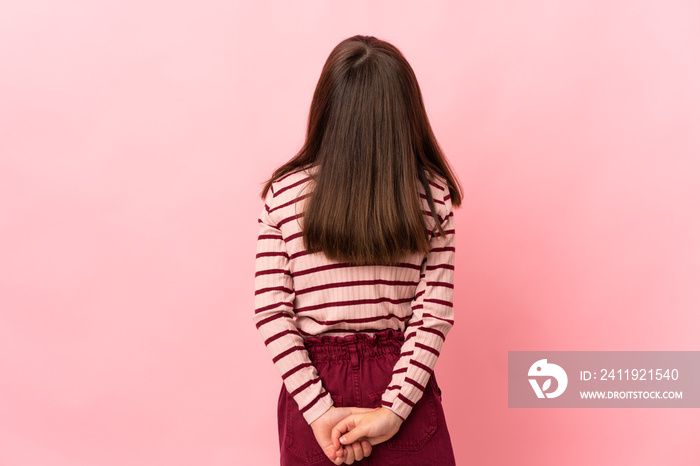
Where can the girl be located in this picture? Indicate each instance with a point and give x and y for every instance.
(354, 270)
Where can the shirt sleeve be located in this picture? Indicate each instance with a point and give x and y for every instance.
(432, 319)
(274, 319)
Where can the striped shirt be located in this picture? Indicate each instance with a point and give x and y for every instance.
(298, 295)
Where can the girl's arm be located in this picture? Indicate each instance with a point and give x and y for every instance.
(274, 313)
(432, 319)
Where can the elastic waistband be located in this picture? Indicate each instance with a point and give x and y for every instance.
(365, 345)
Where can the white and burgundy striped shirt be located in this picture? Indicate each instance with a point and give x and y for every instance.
(298, 294)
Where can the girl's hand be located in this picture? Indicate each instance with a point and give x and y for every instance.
(353, 451)
(376, 426)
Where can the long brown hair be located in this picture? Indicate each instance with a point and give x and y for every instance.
(369, 136)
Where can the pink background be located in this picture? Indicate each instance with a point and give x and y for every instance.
(134, 136)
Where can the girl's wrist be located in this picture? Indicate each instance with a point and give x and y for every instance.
(395, 416)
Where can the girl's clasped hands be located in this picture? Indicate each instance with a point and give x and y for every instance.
(346, 434)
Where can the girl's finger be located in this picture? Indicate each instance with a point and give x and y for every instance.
(339, 457)
(357, 449)
(366, 448)
(349, 455)
(341, 428)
